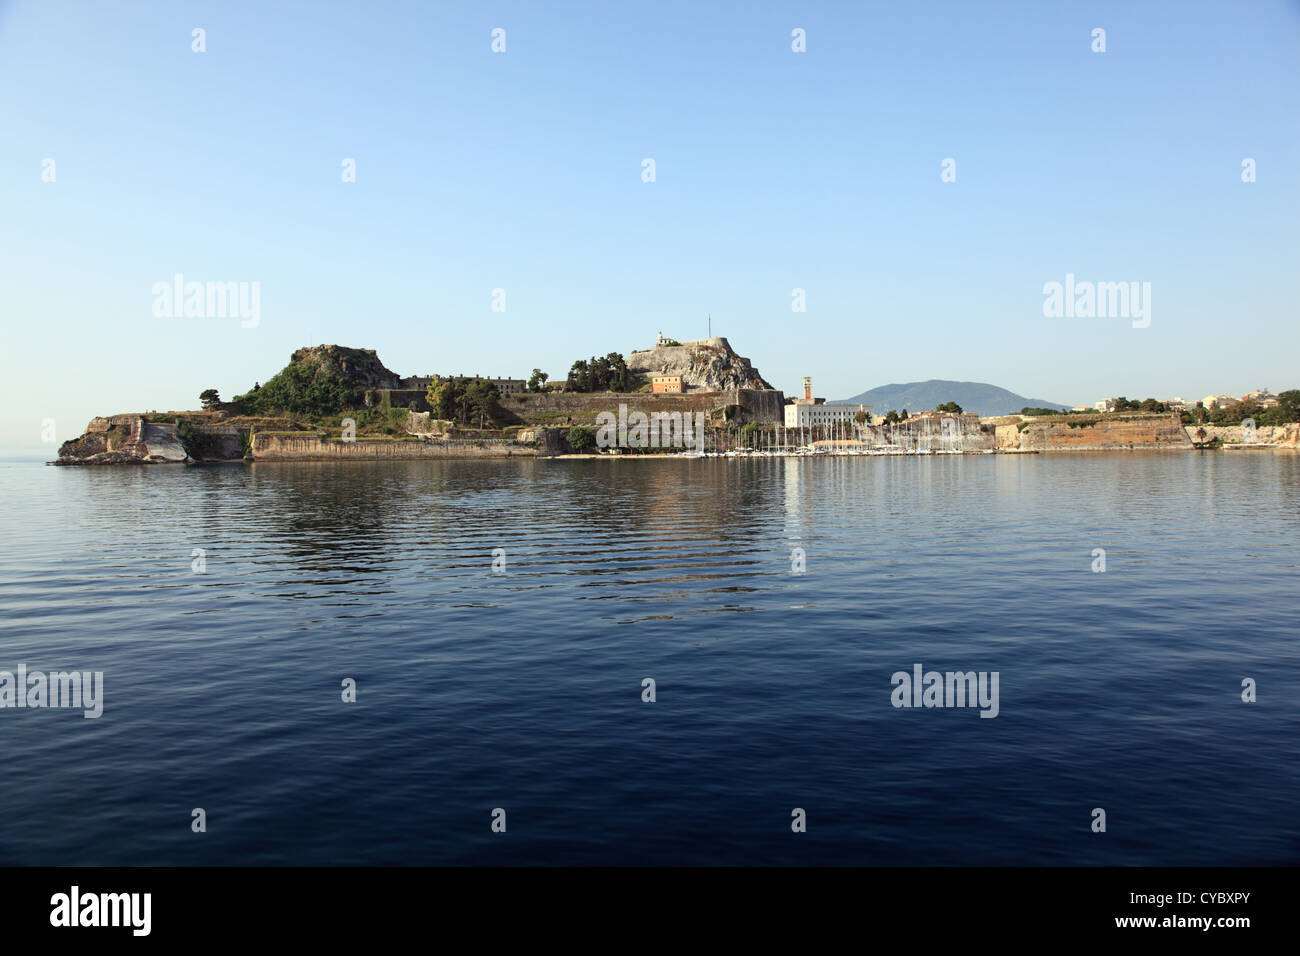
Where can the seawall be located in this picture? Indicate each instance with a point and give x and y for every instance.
(1085, 434)
(282, 446)
(1269, 436)
(579, 408)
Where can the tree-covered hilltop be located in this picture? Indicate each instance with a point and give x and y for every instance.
(323, 384)
(318, 382)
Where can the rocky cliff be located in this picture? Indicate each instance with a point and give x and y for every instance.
(360, 368)
(704, 365)
(123, 439)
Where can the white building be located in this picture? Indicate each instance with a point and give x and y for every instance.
(804, 414)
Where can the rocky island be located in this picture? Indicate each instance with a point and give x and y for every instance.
(334, 401)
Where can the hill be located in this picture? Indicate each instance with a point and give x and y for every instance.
(709, 364)
(978, 397)
(319, 380)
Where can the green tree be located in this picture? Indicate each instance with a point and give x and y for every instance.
(619, 378)
(949, 407)
(600, 374)
(1286, 410)
(579, 379)
(480, 399)
(209, 397)
(447, 399)
(537, 380)
(582, 440)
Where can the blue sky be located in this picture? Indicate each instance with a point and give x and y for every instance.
(521, 171)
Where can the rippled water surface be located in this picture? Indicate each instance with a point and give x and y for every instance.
(522, 690)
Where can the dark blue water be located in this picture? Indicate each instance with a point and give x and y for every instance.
(522, 690)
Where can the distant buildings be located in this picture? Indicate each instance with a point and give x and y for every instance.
(1175, 404)
(506, 386)
(666, 384)
(1261, 395)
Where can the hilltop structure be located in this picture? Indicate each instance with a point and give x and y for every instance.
(505, 386)
(701, 365)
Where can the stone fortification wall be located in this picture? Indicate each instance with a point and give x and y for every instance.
(1277, 436)
(1132, 431)
(288, 446)
(579, 408)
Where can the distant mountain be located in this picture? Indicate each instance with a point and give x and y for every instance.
(979, 397)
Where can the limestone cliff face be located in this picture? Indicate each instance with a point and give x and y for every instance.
(704, 365)
(123, 439)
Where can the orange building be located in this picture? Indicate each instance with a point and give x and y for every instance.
(666, 384)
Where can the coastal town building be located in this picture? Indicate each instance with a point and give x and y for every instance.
(800, 414)
(1221, 401)
(666, 384)
(808, 411)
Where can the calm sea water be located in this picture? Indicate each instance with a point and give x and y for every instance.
(522, 690)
